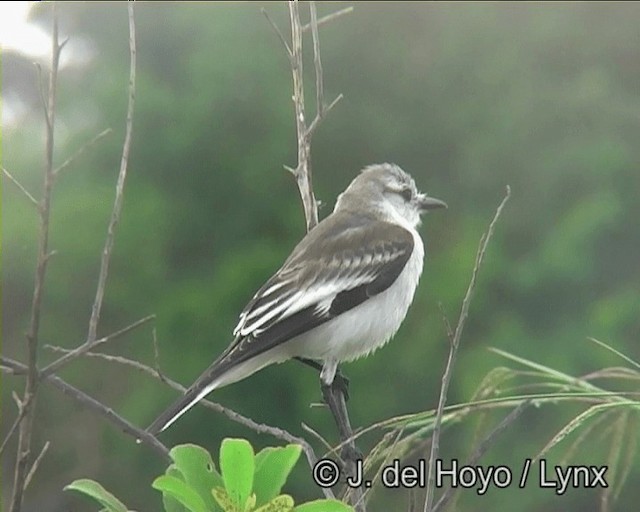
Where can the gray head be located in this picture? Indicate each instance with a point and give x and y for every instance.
(386, 190)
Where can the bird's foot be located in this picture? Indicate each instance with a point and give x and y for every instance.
(341, 384)
(350, 453)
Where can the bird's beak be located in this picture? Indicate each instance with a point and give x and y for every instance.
(426, 203)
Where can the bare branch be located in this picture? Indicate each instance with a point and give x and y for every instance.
(36, 463)
(32, 199)
(16, 368)
(328, 18)
(277, 31)
(44, 209)
(445, 320)
(319, 437)
(455, 342)
(316, 121)
(303, 168)
(117, 205)
(14, 426)
(86, 347)
(67, 163)
(232, 415)
(316, 60)
(156, 355)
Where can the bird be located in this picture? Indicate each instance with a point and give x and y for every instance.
(341, 294)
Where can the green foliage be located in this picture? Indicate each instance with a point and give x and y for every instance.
(247, 482)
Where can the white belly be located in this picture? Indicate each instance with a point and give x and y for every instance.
(369, 325)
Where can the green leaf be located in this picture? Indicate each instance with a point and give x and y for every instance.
(237, 464)
(198, 470)
(181, 491)
(97, 492)
(273, 466)
(169, 502)
(324, 506)
(282, 503)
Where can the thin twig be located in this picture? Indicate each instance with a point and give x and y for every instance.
(117, 205)
(446, 378)
(36, 463)
(156, 355)
(325, 110)
(14, 426)
(27, 194)
(16, 368)
(75, 353)
(446, 323)
(44, 209)
(43, 100)
(232, 415)
(383, 464)
(328, 18)
(330, 449)
(278, 32)
(67, 163)
(483, 446)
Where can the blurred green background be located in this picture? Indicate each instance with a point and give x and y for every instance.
(466, 97)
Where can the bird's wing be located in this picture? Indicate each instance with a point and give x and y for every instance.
(340, 264)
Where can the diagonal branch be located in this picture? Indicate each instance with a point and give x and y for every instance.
(67, 163)
(36, 464)
(455, 342)
(261, 428)
(122, 175)
(86, 347)
(328, 18)
(16, 368)
(278, 32)
(22, 189)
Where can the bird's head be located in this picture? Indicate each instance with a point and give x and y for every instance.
(388, 190)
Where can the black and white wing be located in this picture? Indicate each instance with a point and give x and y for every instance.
(340, 264)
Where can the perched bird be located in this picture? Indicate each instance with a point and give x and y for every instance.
(341, 294)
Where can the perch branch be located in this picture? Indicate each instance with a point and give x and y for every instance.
(333, 396)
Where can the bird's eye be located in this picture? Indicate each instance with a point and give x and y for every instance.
(406, 193)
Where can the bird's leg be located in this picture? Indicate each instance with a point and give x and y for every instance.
(340, 381)
(334, 397)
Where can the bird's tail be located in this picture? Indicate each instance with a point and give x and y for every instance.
(232, 365)
(205, 384)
